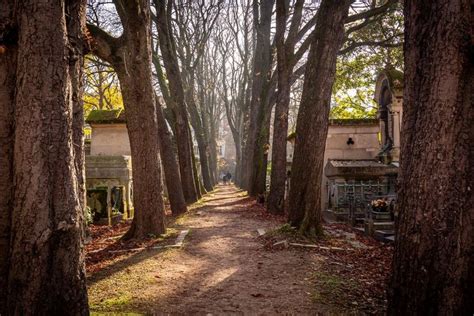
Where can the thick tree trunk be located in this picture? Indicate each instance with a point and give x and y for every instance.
(135, 75)
(313, 115)
(170, 164)
(178, 104)
(7, 95)
(433, 268)
(46, 275)
(261, 73)
(276, 198)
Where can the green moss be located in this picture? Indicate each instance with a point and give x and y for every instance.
(106, 116)
(120, 300)
(395, 77)
(345, 122)
(284, 231)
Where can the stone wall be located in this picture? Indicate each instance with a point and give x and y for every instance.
(109, 140)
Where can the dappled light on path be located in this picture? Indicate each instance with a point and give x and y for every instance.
(222, 268)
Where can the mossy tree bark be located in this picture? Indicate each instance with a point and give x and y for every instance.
(433, 267)
(46, 268)
(313, 116)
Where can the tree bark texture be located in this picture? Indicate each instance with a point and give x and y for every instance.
(313, 115)
(433, 267)
(261, 148)
(46, 271)
(170, 164)
(178, 104)
(76, 31)
(135, 75)
(8, 57)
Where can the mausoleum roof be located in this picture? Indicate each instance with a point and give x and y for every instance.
(357, 121)
(358, 168)
(106, 116)
(395, 82)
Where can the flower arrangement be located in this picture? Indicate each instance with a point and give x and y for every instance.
(379, 205)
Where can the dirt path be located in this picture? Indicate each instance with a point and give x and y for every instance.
(221, 269)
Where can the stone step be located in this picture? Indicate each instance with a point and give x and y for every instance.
(385, 235)
(381, 216)
(384, 225)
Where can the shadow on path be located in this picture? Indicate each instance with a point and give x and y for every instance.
(222, 268)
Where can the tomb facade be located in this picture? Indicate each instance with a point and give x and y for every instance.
(109, 167)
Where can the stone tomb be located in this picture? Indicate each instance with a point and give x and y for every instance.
(109, 167)
(353, 182)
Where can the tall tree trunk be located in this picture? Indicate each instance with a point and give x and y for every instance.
(200, 135)
(7, 95)
(261, 73)
(276, 198)
(178, 104)
(46, 275)
(135, 75)
(170, 164)
(130, 56)
(213, 150)
(197, 181)
(433, 267)
(313, 115)
(76, 31)
(285, 53)
(167, 148)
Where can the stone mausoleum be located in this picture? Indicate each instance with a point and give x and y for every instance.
(361, 186)
(362, 155)
(109, 167)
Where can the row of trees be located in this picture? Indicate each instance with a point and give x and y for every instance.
(210, 57)
(170, 57)
(269, 64)
(434, 262)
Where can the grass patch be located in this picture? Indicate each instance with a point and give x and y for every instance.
(289, 233)
(127, 285)
(118, 301)
(332, 289)
(285, 230)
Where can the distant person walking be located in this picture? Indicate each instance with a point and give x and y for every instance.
(228, 176)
